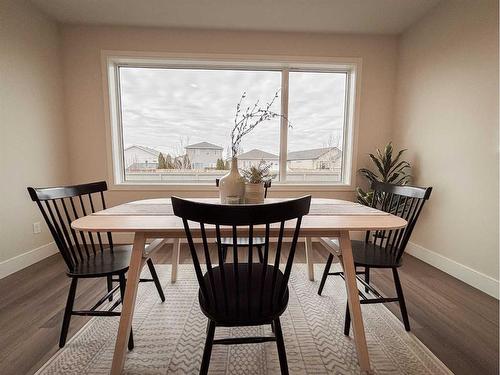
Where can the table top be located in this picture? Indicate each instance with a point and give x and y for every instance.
(155, 218)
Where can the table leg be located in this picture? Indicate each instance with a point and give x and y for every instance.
(137, 260)
(347, 262)
(309, 258)
(176, 249)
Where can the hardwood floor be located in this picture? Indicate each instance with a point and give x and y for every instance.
(456, 322)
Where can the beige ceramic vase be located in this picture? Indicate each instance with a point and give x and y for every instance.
(254, 193)
(232, 185)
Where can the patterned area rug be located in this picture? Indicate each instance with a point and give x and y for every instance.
(169, 337)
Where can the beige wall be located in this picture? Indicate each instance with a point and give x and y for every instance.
(447, 116)
(84, 92)
(33, 137)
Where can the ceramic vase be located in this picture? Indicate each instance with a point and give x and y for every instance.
(232, 185)
(254, 193)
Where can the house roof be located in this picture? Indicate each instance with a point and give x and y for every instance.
(257, 154)
(205, 145)
(139, 166)
(150, 150)
(311, 154)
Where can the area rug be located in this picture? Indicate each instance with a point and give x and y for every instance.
(169, 337)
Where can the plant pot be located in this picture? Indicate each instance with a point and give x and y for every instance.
(254, 193)
(232, 185)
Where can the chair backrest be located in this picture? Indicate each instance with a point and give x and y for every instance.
(63, 204)
(240, 220)
(267, 185)
(403, 201)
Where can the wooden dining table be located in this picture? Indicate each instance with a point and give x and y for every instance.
(153, 219)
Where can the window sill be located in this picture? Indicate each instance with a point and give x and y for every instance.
(210, 188)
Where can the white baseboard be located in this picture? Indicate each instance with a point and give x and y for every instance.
(26, 259)
(17, 263)
(464, 273)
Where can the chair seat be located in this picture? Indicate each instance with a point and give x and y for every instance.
(104, 262)
(248, 297)
(243, 241)
(373, 256)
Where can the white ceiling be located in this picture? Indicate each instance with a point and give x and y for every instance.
(339, 16)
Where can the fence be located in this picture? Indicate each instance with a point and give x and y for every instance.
(208, 177)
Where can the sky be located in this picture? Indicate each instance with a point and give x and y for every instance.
(167, 109)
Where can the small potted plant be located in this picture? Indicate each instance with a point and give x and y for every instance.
(255, 177)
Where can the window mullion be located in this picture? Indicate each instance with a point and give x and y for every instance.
(284, 125)
(345, 171)
(120, 143)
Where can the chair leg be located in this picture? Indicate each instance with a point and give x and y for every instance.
(109, 281)
(152, 270)
(224, 253)
(68, 311)
(402, 304)
(347, 321)
(123, 283)
(281, 346)
(367, 278)
(131, 340)
(207, 352)
(325, 273)
(261, 256)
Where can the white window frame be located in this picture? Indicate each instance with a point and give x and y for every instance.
(111, 60)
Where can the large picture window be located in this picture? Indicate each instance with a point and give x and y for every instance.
(172, 121)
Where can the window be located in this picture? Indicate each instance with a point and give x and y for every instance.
(316, 110)
(171, 120)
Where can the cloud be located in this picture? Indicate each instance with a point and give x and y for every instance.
(162, 106)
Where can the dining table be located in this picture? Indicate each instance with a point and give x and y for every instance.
(153, 220)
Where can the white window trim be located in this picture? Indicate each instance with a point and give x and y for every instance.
(114, 140)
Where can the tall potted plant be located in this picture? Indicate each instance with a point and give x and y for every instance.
(388, 169)
(255, 177)
(232, 185)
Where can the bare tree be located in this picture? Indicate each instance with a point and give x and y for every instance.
(181, 160)
(333, 143)
(181, 145)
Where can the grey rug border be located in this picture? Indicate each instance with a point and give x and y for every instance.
(389, 313)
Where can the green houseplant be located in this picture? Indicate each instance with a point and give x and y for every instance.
(388, 168)
(255, 176)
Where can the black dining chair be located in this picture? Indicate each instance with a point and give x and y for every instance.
(86, 254)
(244, 292)
(385, 248)
(258, 242)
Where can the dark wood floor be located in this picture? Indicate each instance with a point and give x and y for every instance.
(455, 321)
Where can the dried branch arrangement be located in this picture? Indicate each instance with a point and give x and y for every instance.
(247, 120)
